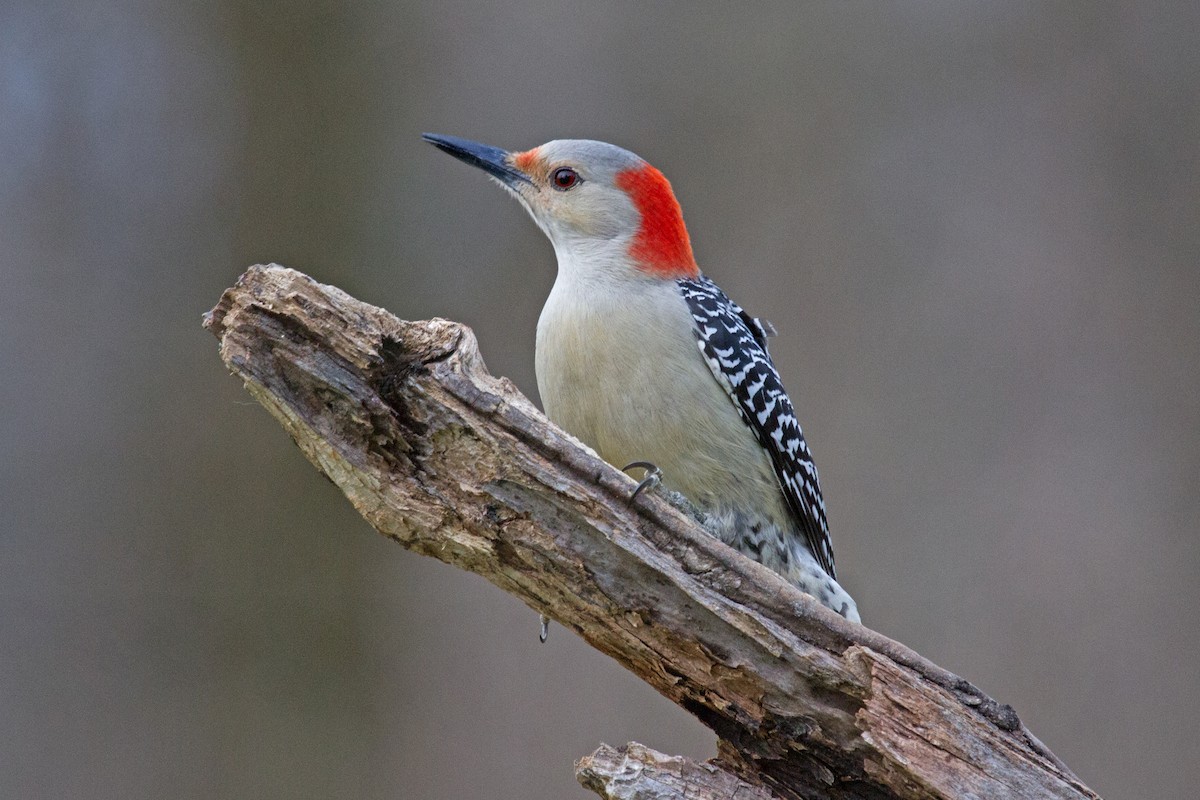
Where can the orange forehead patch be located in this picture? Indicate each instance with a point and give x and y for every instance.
(527, 160)
(661, 244)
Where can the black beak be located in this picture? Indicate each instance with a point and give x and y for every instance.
(493, 160)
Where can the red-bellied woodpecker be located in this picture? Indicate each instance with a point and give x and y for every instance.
(644, 359)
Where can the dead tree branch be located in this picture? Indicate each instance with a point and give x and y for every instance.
(451, 462)
(635, 772)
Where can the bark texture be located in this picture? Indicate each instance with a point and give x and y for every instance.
(635, 772)
(454, 463)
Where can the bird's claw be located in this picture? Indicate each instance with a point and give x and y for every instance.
(653, 477)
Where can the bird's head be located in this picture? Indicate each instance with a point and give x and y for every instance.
(598, 203)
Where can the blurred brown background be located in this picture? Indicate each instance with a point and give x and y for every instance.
(976, 226)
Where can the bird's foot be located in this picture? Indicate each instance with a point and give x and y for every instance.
(652, 479)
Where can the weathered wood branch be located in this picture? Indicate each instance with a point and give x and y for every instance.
(635, 772)
(451, 462)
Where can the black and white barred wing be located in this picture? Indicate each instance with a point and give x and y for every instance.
(735, 346)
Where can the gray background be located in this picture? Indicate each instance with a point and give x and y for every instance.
(975, 225)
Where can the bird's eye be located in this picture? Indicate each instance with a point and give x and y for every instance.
(565, 178)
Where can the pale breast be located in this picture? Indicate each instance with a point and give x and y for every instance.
(620, 368)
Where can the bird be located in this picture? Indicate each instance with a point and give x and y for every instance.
(647, 361)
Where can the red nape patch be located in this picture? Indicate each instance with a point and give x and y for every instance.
(661, 245)
(525, 161)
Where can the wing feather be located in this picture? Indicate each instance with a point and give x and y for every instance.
(735, 346)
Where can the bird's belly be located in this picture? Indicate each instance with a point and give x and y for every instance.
(643, 392)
